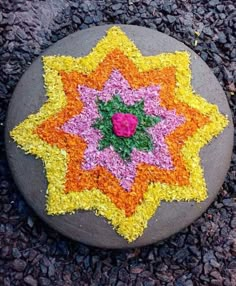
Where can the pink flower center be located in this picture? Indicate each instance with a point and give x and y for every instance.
(124, 124)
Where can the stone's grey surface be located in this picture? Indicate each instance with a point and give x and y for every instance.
(85, 226)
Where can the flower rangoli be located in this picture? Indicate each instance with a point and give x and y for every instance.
(120, 132)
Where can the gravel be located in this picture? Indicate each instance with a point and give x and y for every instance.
(31, 253)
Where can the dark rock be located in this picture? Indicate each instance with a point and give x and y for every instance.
(230, 7)
(215, 282)
(84, 6)
(118, 12)
(3, 89)
(83, 250)
(76, 19)
(43, 281)
(116, 7)
(6, 281)
(11, 47)
(19, 276)
(206, 279)
(74, 4)
(98, 17)
(164, 278)
(83, 26)
(181, 254)
(43, 269)
(88, 20)
(1, 40)
(10, 36)
(232, 265)
(166, 7)
(19, 265)
(30, 221)
(214, 48)
(216, 275)
(213, 3)
(79, 258)
(149, 283)
(201, 10)
(219, 23)
(92, 7)
(123, 275)
(16, 253)
(86, 262)
(11, 19)
(233, 54)
(208, 31)
(207, 268)
(222, 16)
(222, 38)
(136, 270)
(214, 263)
(134, 21)
(204, 55)
(158, 21)
(131, 8)
(171, 19)
(229, 202)
(152, 26)
(220, 8)
(21, 34)
(193, 249)
(233, 222)
(75, 276)
(229, 77)
(217, 58)
(5, 251)
(151, 255)
(208, 256)
(188, 283)
(29, 280)
(120, 283)
(51, 270)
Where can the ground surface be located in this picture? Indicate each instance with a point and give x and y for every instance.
(33, 254)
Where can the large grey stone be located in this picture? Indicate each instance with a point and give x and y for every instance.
(84, 226)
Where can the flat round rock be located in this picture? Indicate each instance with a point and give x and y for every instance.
(85, 226)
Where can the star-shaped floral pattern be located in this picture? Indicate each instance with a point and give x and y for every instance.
(73, 184)
(115, 116)
(81, 125)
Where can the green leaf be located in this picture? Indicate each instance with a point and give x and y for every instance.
(104, 144)
(143, 141)
(149, 121)
(123, 150)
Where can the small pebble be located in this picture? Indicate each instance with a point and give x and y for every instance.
(19, 265)
(29, 280)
